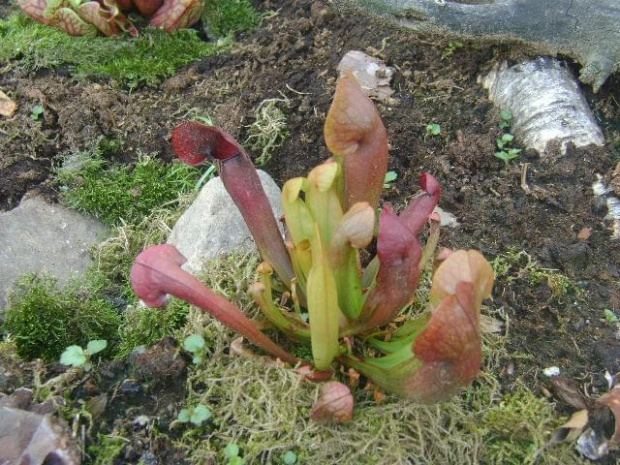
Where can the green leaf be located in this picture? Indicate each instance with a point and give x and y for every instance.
(290, 458)
(231, 450)
(197, 360)
(507, 137)
(505, 115)
(390, 176)
(610, 316)
(37, 111)
(322, 307)
(200, 415)
(96, 346)
(183, 416)
(194, 343)
(433, 129)
(73, 356)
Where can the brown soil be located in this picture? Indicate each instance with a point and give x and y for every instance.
(295, 54)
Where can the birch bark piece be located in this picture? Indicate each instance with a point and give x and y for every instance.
(546, 104)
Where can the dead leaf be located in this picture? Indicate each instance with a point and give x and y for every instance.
(7, 106)
(570, 430)
(568, 390)
(584, 234)
(612, 400)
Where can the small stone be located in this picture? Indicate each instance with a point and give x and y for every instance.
(551, 371)
(213, 225)
(372, 74)
(579, 324)
(584, 234)
(446, 219)
(7, 106)
(130, 387)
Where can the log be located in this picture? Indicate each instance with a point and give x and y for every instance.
(586, 30)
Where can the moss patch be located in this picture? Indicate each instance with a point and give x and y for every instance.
(118, 193)
(152, 55)
(43, 320)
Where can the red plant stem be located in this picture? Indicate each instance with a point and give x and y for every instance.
(154, 275)
(243, 184)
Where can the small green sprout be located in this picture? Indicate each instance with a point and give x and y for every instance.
(506, 152)
(505, 140)
(77, 357)
(451, 49)
(390, 177)
(506, 119)
(610, 316)
(196, 415)
(231, 452)
(203, 119)
(507, 155)
(433, 129)
(36, 112)
(290, 458)
(195, 344)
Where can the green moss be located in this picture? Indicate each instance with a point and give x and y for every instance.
(225, 17)
(118, 193)
(105, 450)
(145, 326)
(269, 129)
(516, 429)
(152, 55)
(517, 264)
(43, 319)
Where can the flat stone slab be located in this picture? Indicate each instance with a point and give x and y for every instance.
(44, 238)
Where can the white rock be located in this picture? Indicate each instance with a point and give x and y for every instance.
(371, 73)
(213, 225)
(550, 372)
(446, 219)
(43, 238)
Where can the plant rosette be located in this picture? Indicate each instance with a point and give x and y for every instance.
(331, 216)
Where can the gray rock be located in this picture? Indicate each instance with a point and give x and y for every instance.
(212, 225)
(44, 238)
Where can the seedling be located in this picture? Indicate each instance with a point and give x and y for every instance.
(290, 458)
(203, 119)
(195, 344)
(506, 119)
(194, 415)
(506, 152)
(77, 357)
(231, 453)
(433, 129)
(36, 112)
(451, 49)
(610, 316)
(505, 140)
(330, 217)
(390, 177)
